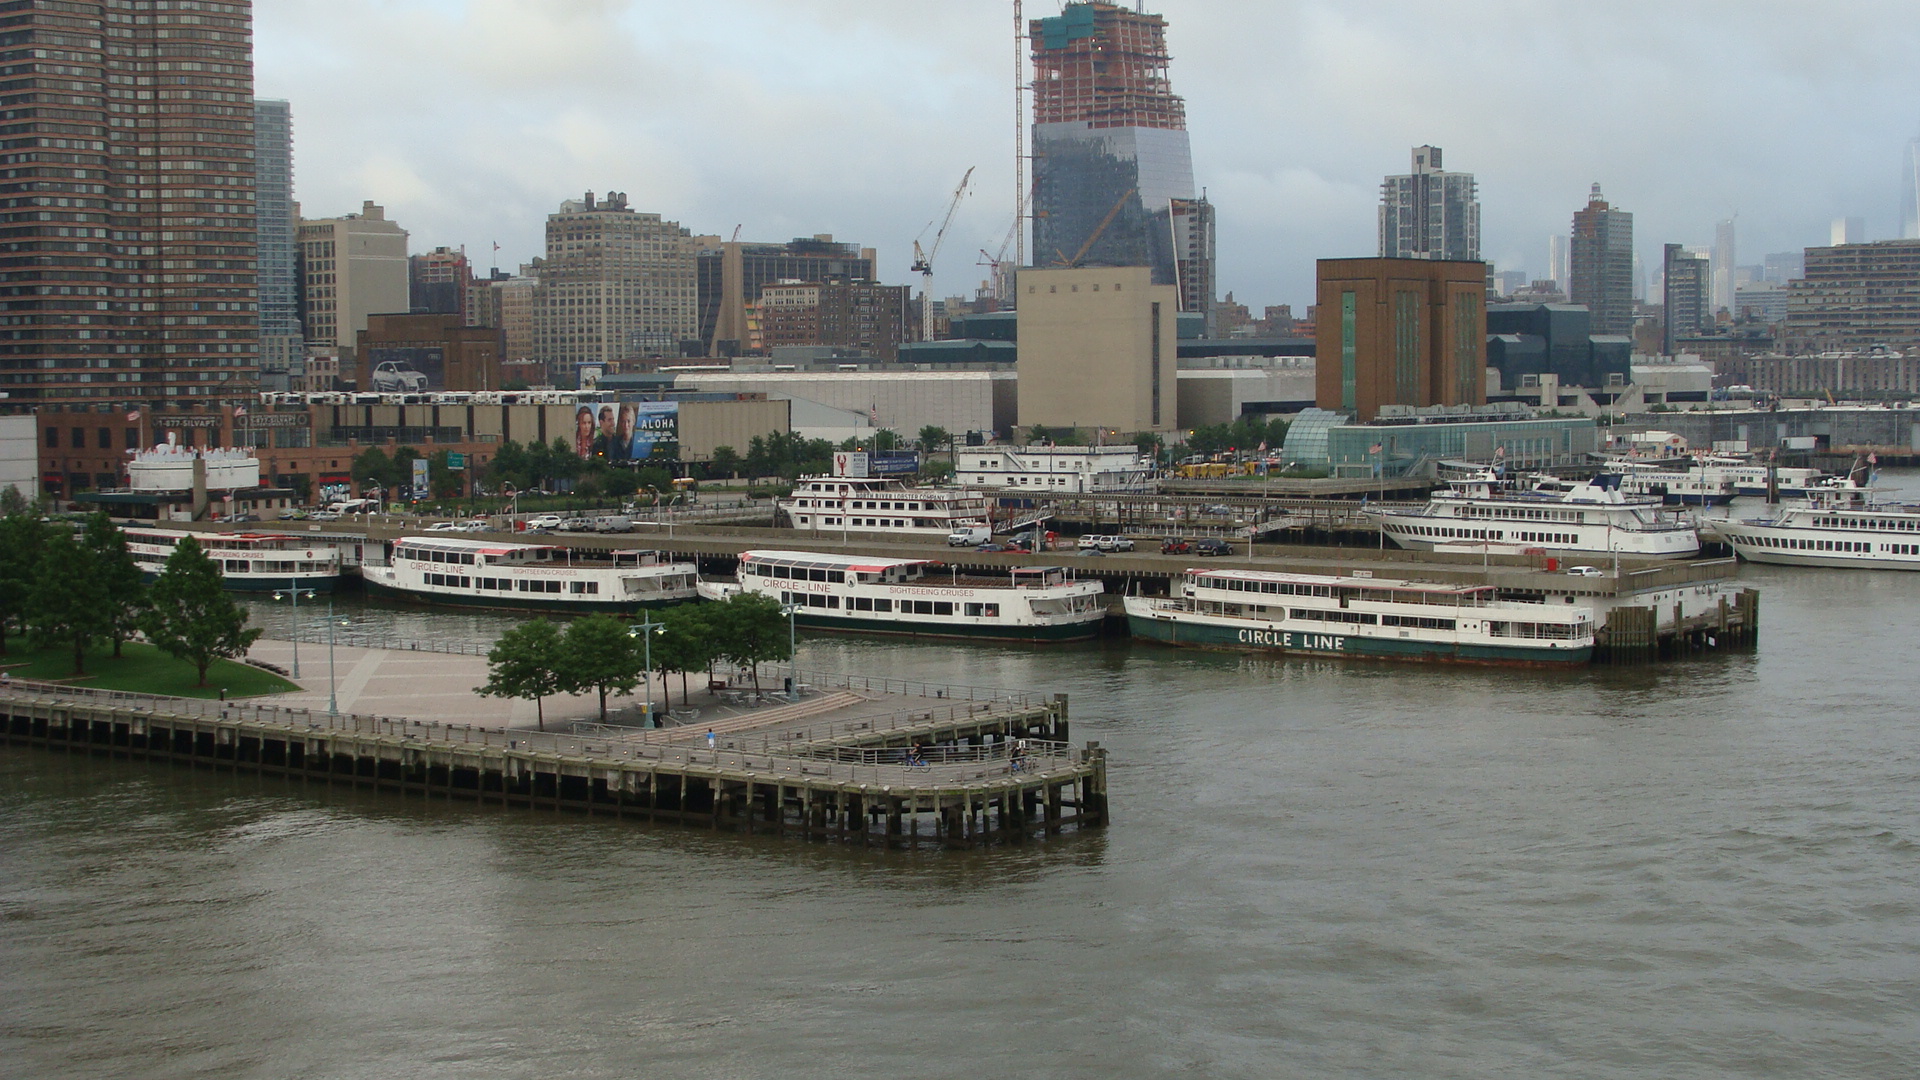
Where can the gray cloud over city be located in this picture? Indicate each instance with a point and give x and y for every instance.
(472, 119)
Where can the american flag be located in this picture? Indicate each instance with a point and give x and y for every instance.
(133, 416)
(1374, 449)
(239, 410)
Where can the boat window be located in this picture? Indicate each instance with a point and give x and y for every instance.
(837, 576)
(816, 573)
(883, 605)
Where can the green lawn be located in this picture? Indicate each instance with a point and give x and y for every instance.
(142, 670)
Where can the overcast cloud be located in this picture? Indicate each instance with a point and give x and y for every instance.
(470, 120)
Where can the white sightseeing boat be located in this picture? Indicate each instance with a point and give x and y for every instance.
(1380, 618)
(249, 562)
(1750, 478)
(1594, 518)
(879, 506)
(487, 573)
(904, 596)
(1675, 487)
(1836, 525)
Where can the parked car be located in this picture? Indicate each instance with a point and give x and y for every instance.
(993, 547)
(393, 376)
(1208, 545)
(442, 526)
(544, 521)
(577, 525)
(324, 515)
(236, 518)
(1586, 571)
(613, 523)
(476, 525)
(295, 514)
(1175, 547)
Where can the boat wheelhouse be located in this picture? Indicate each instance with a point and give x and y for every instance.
(1381, 618)
(904, 596)
(248, 562)
(1675, 487)
(485, 573)
(1594, 518)
(1751, 478)
(1838, 524)
(874, 505)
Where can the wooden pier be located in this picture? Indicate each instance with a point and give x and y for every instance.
(845, 780)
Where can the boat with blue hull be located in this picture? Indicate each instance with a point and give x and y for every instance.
(1374, 618)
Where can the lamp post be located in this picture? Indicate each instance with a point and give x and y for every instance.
(792, 611)
(644, 630)
(293, 594)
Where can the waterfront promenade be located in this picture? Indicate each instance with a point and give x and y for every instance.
(426, 686)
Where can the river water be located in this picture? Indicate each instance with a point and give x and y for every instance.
(1707, 868)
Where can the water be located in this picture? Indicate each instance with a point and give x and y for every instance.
(1702, 869)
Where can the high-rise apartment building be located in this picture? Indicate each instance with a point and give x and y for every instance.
(732, 274)
(127, 169)
(616, 285)
(351, 267)
(1112, 165)
(276, 216)
(1603, 265)
(1687, 292)
(1430, 213)
(1855, 296)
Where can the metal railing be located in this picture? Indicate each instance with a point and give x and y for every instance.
(785, 754)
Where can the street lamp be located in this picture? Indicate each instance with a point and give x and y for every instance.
(645, 631)
(791, 611)
(333, 625)
(293, 593)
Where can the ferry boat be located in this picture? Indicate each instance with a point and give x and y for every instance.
(1382, 618)
(1677, 488)
(544, 577)
(1836, 525)
(902, 596)
(249, 562)
(870, 505)
(1593, 518)
(1750, 478)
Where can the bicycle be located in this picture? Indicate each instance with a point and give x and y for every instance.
(916, 763)
(1019, 765)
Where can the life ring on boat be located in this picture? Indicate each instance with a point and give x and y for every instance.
(309, 554)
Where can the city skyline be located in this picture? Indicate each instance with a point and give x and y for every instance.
(1295, 111)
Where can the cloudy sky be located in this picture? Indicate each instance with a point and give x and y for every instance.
(470, 120)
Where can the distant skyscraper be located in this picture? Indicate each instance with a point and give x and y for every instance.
(1688, 292)
(1723, 266)
(1429, 213)
(1602, 271)
(1847, 230)
(1112, 167)
(276, 215)
(1910, 191)
(1557, 270)
(616, 285)
(129, 177)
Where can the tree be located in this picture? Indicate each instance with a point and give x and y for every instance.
(400, 473)
(371, 468)
(509, 466)
(120, 576)
(525, 663)
(688, 643)
(13, 502)
(67, 603)
(192, 618)
(598, 654)
(22, 537)
(725, 460)
(934, 438)
(750, 629)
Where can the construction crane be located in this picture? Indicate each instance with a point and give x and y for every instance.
(923, 260)
(1097, 230)
(1000, 268)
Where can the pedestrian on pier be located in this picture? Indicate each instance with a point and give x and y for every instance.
(710, 742)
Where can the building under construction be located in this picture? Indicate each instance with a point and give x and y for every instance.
(1112, 169)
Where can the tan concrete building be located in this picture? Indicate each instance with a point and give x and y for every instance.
(1400, 332)
(351, 267)
(616, 285)
(1097, 349)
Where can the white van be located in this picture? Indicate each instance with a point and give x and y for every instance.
(969, 536)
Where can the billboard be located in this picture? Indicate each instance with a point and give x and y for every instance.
(406, 369)
(893, 463)
(618, 432)
(422, 489)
